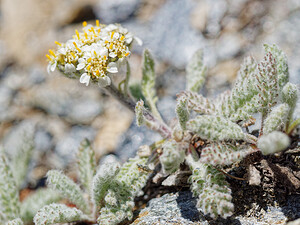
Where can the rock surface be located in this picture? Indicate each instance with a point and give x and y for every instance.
(180, 208)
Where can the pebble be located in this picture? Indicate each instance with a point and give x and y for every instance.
(116, 11)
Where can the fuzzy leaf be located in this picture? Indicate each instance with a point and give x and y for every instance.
(211, 188)
(182, 112)
(57, 213)
(242, 101)
(148, 82)
(119, 201)
(37, 200)
(223, 154)
(196, 72)
(17, 221)
(102, 181)
(86, 163)
(215, 128)
(136, 92)
(9, 195)
(276, 119)
(267, 83)
(143, 117)
(21, 159)
(273, 142)
(139, 109)
(172, 157)
(281, 63)
(57, 181)
(197, 102)
(290, 96)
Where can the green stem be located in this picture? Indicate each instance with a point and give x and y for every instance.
(128, 74)
(160, 127)
(293, 126)
(153, 109)
(263, 117)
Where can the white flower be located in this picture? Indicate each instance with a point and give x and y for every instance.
(81, 64)
(85, 79)
(112, 67)
(95, 52)
(51, 66)
(112, 54)
(69, 68)
(104, 81)
(111, 27)
(102, 51)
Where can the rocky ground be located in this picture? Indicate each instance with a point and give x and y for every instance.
(64, 111)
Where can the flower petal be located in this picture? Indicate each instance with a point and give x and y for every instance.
(103, 52)
(69, 68)
(62, 51)
(128, 40)
(112, 67)
(111, 27)
(80, 66)
(85, 79)
(52, 66)
(104, 81)
(112, 54)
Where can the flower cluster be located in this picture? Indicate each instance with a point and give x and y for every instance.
(92, 53)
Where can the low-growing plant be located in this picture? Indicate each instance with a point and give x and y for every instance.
(12, 174)
(106, 195)
(210, 134)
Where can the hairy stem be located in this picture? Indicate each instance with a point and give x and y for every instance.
(128, 74)
(263, 117)
(160, 127)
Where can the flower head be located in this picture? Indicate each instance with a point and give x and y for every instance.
(92, 53)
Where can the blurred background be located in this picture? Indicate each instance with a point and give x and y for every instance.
(65, 111)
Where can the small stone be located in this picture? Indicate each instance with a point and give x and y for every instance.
(228, 46)
(115, 11)
(254, 176)
(43, 140)
(179, 208)
(295, 222)
(174, 44)
(14, 139)
(66, 148)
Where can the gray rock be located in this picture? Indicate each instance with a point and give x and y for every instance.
(17, 79)
(170, 35)
(84, 111)
(37, 75)
(169, 84)
(116, 11)
(179, 208)
(14, 79)
(43, 140)
(14, 139)
(286, 34)
(66, 148)
(217, 9)
(6, 95)
(166, 107)
(228, 46)
(77, 104)
(132, 139)
(295, 222)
